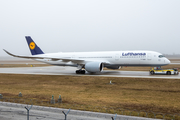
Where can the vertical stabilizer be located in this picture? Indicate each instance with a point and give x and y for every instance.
(35, 50)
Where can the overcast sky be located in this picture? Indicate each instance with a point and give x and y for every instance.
(90, 25)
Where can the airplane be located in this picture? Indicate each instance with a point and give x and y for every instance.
(94, 62)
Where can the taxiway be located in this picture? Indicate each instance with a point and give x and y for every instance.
(59, 70)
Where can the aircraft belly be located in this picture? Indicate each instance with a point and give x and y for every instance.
(58, 62)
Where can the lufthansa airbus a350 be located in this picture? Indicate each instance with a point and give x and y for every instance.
(95, 61)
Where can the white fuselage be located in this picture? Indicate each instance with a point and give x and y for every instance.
(112, 58)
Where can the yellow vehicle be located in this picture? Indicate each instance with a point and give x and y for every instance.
(158, 70)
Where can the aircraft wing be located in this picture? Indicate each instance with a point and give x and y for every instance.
(41, 57)
(79, 61)
(30, 57)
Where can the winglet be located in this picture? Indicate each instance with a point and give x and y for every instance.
(9, 53)
(29, 57)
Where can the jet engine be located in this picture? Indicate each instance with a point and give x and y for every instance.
(94, 67)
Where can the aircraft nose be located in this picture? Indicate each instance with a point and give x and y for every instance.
(167, 61)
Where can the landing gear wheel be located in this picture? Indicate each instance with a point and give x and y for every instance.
(168, 73)
(80, 71)
(152, 72)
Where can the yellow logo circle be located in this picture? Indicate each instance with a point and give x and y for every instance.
(32, 45)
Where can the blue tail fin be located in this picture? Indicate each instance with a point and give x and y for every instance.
(35, 50)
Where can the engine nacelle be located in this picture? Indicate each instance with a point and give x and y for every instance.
(94, 67)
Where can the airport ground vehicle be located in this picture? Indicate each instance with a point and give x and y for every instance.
(158, 70)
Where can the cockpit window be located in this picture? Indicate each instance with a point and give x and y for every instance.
(160, 56)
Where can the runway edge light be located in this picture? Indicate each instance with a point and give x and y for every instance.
(20, 94)
(52, 100)
(59, 99)
(1, 96)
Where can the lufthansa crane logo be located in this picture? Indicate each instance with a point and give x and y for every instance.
(32, 45)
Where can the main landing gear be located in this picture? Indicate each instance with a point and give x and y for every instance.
(80, 71)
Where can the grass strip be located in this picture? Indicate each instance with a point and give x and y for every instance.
(138, 94)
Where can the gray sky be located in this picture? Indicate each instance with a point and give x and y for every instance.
(90, 25)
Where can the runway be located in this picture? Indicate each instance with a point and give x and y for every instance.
(59, 70)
